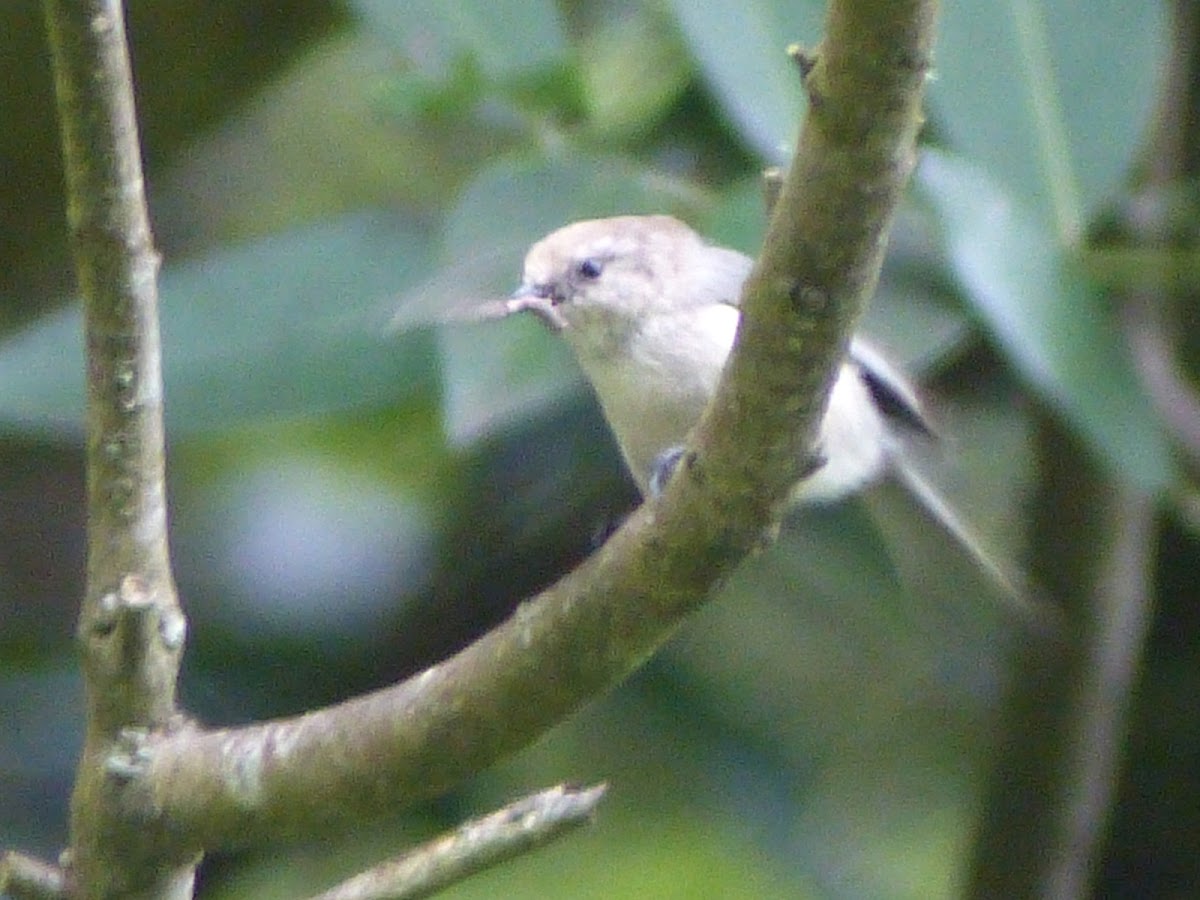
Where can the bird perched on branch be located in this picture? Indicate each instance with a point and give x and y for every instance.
(650, 310)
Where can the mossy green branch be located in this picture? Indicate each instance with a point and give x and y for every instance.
(564, 647)
(821, 258)
(150, 797)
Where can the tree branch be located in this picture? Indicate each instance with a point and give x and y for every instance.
(150, 796)
(1048, 803)
(474, 846)
(821, 258)
(1048, 800)
(819, 265)
(131, 627)
(25, 878)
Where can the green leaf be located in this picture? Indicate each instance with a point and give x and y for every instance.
(744, 61)
(1052, 324)
(514, 202)
(499, 374)
(1050, 96)
(415, 96)
(296, 324)
(633, 68)
(506, 37)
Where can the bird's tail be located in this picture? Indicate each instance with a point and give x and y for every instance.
(948, 558)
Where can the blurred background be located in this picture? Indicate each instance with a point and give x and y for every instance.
(359, 486)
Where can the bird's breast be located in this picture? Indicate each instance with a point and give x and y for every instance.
(654, 388)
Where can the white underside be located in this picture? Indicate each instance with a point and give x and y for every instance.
(653, 399)
(854, 442)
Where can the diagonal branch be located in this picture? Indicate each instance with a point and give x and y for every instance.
(1048, 800)
(149, 797)
(474, 846)
(818, 267)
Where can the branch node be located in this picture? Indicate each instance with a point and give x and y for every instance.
(25, 878)
(130, 620)
(806, 63)
(172, 628)
(134, 595)
(805, 60)
(808, 299)
(130, 757)
(772, 185)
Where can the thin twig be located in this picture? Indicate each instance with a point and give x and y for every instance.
(474, 846)
(1065, 719)
(1157, 360)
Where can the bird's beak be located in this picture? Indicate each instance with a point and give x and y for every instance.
(532, 298)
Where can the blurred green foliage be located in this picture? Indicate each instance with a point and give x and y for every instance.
(360, 484)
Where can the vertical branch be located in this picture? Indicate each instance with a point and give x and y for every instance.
(131, 627)
(1048, 803)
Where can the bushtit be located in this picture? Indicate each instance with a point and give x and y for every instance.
(650, 310)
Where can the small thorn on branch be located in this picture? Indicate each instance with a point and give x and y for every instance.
(805, 60)
(772, 184)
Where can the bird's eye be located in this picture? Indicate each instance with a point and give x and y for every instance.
(588, 269)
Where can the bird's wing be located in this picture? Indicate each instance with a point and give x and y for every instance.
(891, 390)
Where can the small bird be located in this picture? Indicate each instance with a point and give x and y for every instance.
(650, 310)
